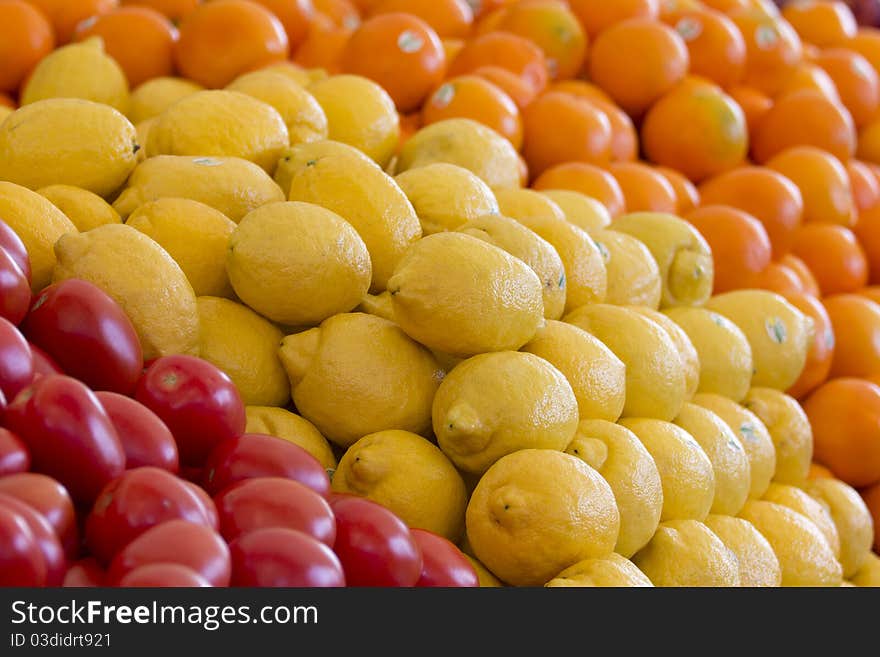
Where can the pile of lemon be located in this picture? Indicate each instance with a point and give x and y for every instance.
(557, 392)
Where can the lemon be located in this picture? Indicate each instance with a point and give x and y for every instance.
(596, 375)
(281, 423)
(357, 374)
(633, 276)
(798, 500)
(78, 70)
(195, 235)
(752, 434)
(68, 141)
(85, 209)
(142, 278)
(151, 98)
(526, 245)
(851, 516)
(869, 573)
(142, 131)
(804, 555)
(723, 350)
(303, 116)
(359, 113)
(368, 199)
(455, 293)
(487, 579)
(378, 305)
(38, 223)
(579, 209)
(690, 359)
(231, 185)
(683, 256)
(730, 464)
(778, 333)
(655, 378)
(790, 430)
(538, 511)
(297, 157)
(687, 553)
(618, 455)
(756, 560)
(4, 112)
(297, 263)
(468, 144)
(585, 275)
(409, 475)
(611, 570)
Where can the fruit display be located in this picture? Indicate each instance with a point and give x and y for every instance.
(439, 293)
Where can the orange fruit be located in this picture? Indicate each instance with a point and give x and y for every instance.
(520, 91)
(221, 40)
(686, 193)
(856, 80)
(644, 189)
(865, 187)
(868, 148)
(141, 40)
(823, 182)
(472, 97)
(871, 495)
(483, 7)
(773, 49)
(754, 105)
(833, 255)
(343, 13)
(818, 471)
(800, 269)
(509, 51)
(6, 101)
(295, 16)
(598, 15)
(845, 416)
(399, 52)
(174, 10)
(65, 15)
(637, 61)
(866, 42)
(586, 179)
(779, 278)
(716, 47)
(25, 38)
(822, 24)
(867, 230)
(448, 18)
(323, 46)
(871, 292)
(813, 77)
(856, 322)
(821, 349)
(451, 48)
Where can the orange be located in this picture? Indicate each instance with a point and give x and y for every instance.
(323, 46)
(845, 416)
(821, 349)
(867, 231)
(644, 189)
(713, 138)
(686, 193)
(770, 197)
(856, 81)
(727, 6)
(472, 97)
(6, 101)
(65, 15)
(811, 76)
(871, 292)
(598, 15)
(779, 278)
(739, 243)
(295, 16)
(865, 187)
(823, 182)
(871, 495)
(869, 143)
(399, 52)
(141, 40)
(823, 24)
(563, 128)
(483, 7)
(833, 255)
(509, 51)
(773, 49)
(637, 61)
(448, 18)
(221, 40)
(856, 322)
(451, 48)
(754, 105)
(716, 47)
(25, 38)
(586, 179)
(818, 471)
(520, 91)
(582, 88)
(343, 13)
(799, 267)
(174, 10)
(866, 42)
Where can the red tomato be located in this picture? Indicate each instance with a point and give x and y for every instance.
(51, 500)
(443, 564)
(2, 404)
(14, 456)
(15, 290)
(145, 438)
(177, 541)
(47, 541)
(276, 556)
(16, 361)
(197, 401)
(21, 561)
(164, 575)
(256, 455)
(207, 503)
(68, 434)
(133, 503)
(274, 502)
(374, 545)
(43, 363)
(84, 573)
(11, 242)
(87, 334)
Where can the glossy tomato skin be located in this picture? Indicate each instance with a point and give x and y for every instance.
(198, 402)
(274, 502)
(12, 244)
(16, 361)
(51, 500)
(276, 556)
(68, 435)
(15, 290)
(256, 455)
(84, 573)
(135, 502)
(87, 333)
(207, 503)
(144, 437)
(163, 575)
(374, 545)
(43, 363)
(14, 457)
(21, 561)
(443, 564)
(177, 541)
(46, 539)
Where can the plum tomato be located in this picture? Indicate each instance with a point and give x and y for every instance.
(11, 242)
(207, 503)
(21, 561)
(144, 437)
(47, 541)
(163, 575)
(86, 572)
(277, 556)
(15, 290)
(51, 500)
(14, 457)
(443, 564)
(16, 361)
(43, 363)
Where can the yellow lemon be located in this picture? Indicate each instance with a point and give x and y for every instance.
(151, 98)
(142, 278)
(378, 305)
(798, 500)
(38, 223)
(690, 359)
(296, 73)
(297, 263)
(299, 156)
(683, 256)
(5, 111)
(229, 184)
(579, 209)
(538, 511)
(409, 475)
(618, 455)
(142, 130)
(468, 144)
(455, 293)
(869, 573)
(611, 570)
(655, 378)
(756, 560)
(85, 209)
(804, 555)
(596, 375)
(357, 374)
(281, 423)
(487, 579)
(790, 430)
(68, 141)
(633, 276)
(851, 516)
(687, 553)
